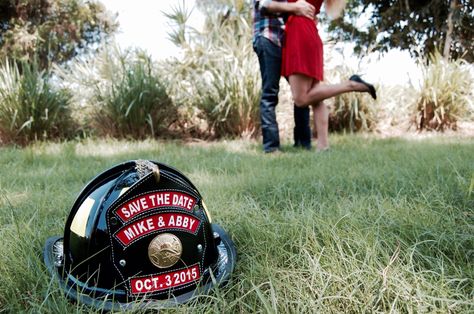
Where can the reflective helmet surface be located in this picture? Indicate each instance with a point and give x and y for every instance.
(139, 233)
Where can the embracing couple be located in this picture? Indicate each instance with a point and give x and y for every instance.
(293, 49)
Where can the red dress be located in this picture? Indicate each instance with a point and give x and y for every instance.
(303, 48)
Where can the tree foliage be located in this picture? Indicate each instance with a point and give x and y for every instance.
(52, 31)
(420, 26)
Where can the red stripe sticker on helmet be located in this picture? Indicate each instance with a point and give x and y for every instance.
(149, 201)
(166, 221)
(155, 283)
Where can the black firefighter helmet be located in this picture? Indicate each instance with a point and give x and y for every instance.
(139, 234)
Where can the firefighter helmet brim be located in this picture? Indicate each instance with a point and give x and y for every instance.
(138, 236)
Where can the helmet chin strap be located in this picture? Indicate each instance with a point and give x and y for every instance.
(144, 167)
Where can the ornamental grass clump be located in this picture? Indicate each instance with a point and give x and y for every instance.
(217, 79)
(134, 103)
(446, 94)
(229, 98)
(122, 95)
(31, 107)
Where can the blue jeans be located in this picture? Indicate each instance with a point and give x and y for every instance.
(269, 57)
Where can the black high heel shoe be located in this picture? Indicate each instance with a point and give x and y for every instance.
(356, 78)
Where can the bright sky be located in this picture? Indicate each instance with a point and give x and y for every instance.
(142, 24)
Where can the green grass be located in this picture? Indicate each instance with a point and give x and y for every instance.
(371, 226)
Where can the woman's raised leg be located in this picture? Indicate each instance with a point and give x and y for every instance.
(305, 93)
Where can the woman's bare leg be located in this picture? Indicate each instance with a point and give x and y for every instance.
(302, 85)
(305, 93)
(321, 125)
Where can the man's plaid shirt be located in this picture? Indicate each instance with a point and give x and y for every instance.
(267, 24)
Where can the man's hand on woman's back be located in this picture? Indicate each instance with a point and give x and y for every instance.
(300, 7)
(303, 8)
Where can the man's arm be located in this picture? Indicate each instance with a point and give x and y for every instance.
(300, 7)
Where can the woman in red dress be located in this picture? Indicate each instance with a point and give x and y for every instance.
(302, 64)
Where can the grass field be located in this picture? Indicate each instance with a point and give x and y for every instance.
(371, 226)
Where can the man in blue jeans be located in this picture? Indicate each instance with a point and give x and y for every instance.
(267, 42)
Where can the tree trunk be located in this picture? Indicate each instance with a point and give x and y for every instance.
(449, 32)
